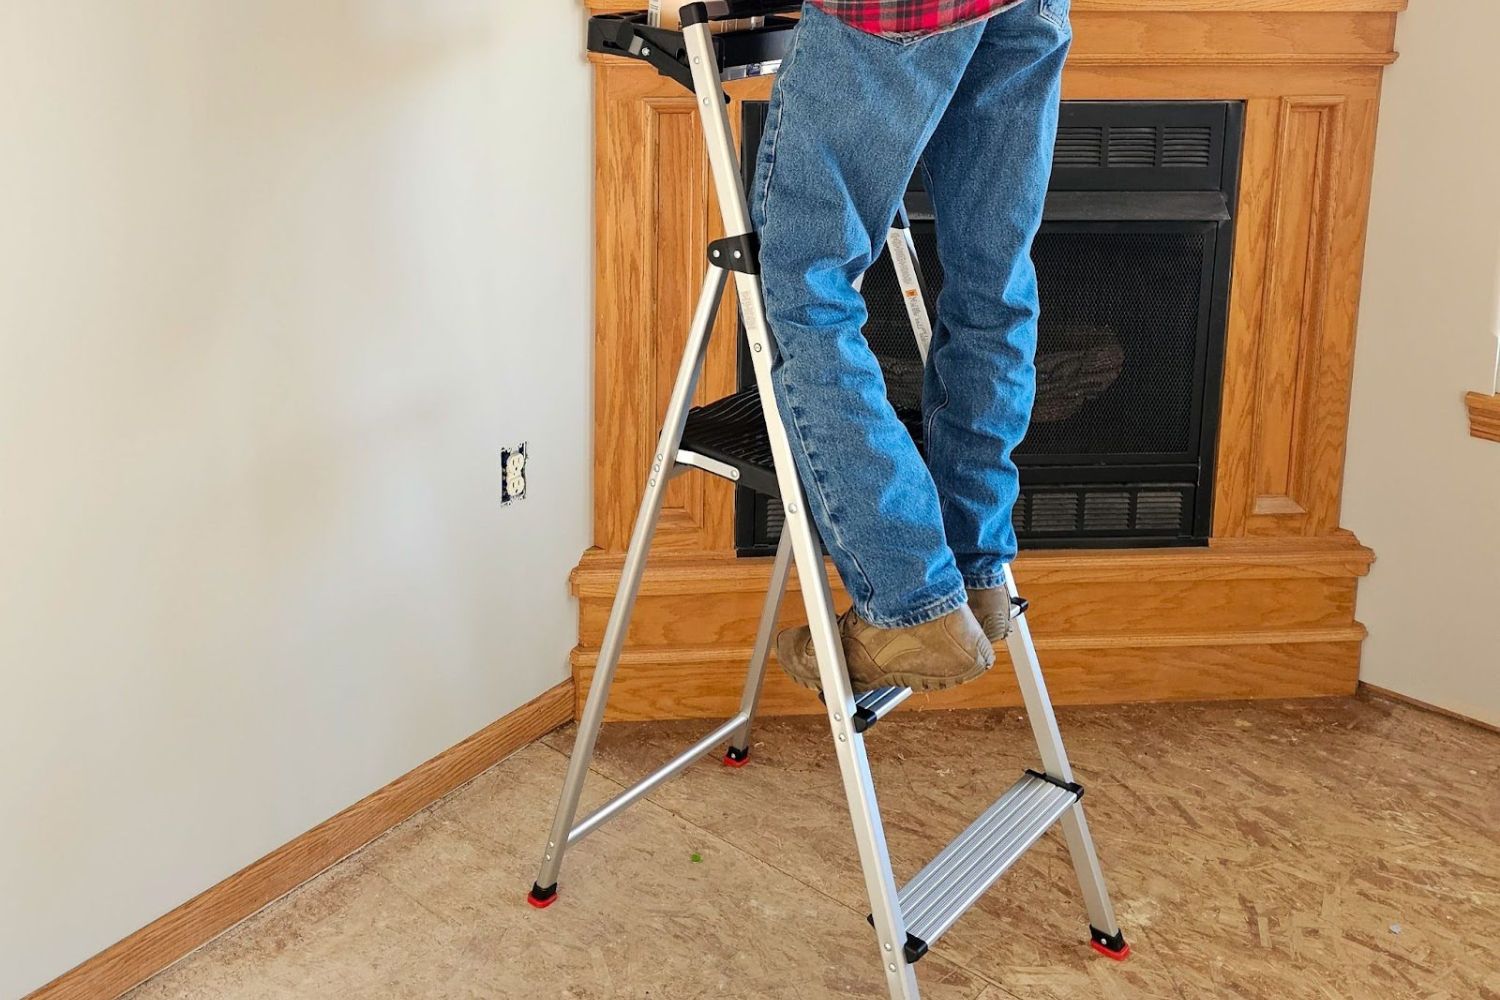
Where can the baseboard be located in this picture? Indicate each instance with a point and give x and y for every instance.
(151, 949)
(1426, 706)
(1484, 415)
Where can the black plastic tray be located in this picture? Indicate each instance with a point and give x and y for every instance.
(628, 35)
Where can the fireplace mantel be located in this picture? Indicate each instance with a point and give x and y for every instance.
(1266, 610)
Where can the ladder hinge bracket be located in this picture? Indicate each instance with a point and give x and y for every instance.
(663, 50)
(1071, 786)
(736, 253)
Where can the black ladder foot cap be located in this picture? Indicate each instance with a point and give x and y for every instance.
(1109, 945)
(542, 898)
(735, 757)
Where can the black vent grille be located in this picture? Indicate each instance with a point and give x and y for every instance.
(1187, 146)
(1079, 146)
(1138, 146)
(1132, 146)
(1156, 511)
(1159, 512)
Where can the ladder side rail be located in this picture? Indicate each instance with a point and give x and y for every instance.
(765, 634)
(1055, 762)
(869, 833)
(1033, 687)
(630, 580)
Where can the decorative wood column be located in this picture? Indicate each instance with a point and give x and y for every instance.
(1266, 610)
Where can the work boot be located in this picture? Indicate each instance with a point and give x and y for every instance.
(929, 657)
(993, 609)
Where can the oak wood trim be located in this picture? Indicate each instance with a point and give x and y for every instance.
(151, 949)
(1339, 555)
(1366, 687)
(676, 684)
(1484, 415)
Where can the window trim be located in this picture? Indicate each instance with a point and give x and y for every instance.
(1484, 415)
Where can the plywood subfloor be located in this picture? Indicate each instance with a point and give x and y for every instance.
(1330, 849)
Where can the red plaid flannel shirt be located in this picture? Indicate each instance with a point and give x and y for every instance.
(900, 18)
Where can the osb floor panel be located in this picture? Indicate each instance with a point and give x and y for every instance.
(1343, 848)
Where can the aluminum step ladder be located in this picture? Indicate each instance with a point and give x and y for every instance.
(742, 439)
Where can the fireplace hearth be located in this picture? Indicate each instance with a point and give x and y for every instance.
(1133, 263)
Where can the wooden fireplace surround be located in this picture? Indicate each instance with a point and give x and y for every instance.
(1265, 611)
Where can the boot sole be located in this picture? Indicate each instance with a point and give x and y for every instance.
(924, 682)
(917, 682)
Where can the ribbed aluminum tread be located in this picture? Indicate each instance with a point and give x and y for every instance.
(733, 430)
(954, 880)
(872, 706)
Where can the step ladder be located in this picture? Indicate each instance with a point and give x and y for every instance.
(742, 439)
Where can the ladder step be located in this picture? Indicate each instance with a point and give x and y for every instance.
(872, 706)
(954, 880)
(732, 431)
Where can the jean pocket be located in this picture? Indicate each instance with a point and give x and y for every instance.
(1056, 11)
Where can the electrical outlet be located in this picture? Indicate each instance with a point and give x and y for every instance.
(512, 474)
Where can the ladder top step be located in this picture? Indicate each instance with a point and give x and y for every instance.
(732, 430)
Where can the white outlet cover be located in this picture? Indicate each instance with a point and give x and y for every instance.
(512, 474)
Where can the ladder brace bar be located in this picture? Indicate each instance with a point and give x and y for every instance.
(655, 780)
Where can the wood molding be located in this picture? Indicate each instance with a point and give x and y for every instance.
(681, 684)
(1270, 617)
(1426, 706)
(157, 945)
(1484, 415)
(1334, 556)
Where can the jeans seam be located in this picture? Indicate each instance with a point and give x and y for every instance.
(782, 76)
(1048, 8)
(822, 499)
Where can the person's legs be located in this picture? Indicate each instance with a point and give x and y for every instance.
(987, 168)
(849, 115)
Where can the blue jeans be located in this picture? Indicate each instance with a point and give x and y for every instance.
(850, 115)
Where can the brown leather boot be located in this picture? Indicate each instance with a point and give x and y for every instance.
(992, 607)
(928, 657)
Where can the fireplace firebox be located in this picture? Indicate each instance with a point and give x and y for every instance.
(1133, 262)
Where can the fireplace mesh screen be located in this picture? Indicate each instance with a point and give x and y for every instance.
(1116, 344)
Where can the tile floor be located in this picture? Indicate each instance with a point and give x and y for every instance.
(1330, 849)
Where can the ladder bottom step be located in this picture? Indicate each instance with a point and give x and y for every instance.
(964, 870)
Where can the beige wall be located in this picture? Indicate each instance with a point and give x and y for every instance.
(277, 280)
(1419, 490)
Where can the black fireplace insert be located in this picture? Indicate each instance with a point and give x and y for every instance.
(1133, 263)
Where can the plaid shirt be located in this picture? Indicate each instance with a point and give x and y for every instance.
(905, 18)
